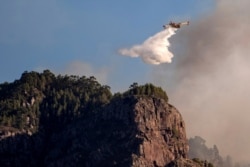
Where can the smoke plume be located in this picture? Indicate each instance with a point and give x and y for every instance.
(154, 50)
(210, 77)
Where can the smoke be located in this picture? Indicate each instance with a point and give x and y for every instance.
(81, 68)
(154, 50)
(210, 77)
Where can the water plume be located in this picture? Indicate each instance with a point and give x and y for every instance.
(154, 50)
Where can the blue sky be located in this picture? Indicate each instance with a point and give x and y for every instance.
(82, 37)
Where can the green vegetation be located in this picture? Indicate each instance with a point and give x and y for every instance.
(176, 133)
(44, 100)
(202, 163)
(198, 161)
(148, 90)
(50, 99)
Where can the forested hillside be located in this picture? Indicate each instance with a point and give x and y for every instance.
(43, 99)
(44, 117)
(47, 119)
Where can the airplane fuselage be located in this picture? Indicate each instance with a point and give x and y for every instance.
(175, 25)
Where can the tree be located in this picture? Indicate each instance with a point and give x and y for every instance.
(134, 85)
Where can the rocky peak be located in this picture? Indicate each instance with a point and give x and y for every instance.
(129, 131)
(162, 130)
(141, 131)
(48, 120)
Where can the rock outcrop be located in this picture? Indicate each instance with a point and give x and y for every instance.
(129, 131)
(162, 132)
(133, 131)
(48, 120)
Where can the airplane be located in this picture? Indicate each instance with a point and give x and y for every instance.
(175, 25)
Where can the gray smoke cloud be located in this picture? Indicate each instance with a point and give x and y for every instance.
(211, 75)
(154, 50)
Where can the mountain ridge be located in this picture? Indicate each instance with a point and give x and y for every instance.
(49, 120)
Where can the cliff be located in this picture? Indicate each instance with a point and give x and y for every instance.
(138, 128)
(133, 131)
(142, 131)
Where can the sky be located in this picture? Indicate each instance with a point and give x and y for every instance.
(207, 79)
(83, 37)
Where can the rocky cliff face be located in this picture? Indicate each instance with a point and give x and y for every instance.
(162, 132)
(133, 131)
(130, 131)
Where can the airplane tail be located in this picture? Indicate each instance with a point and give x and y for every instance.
(185, 23)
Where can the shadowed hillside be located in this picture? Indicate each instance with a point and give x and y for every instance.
(48, 120)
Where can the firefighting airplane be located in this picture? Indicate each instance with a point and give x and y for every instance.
(175, 25)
